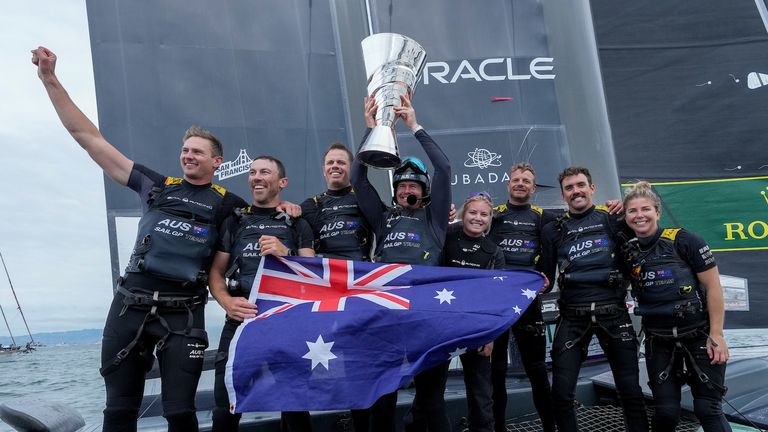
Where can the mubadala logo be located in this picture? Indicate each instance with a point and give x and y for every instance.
(481, 158)
(241, 165)
(490, 69)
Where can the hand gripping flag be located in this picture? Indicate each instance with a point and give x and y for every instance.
(336, 334)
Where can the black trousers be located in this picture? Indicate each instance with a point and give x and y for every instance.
(180, 360)
(532, 344)
(618, 340)
(477, 379)
(378, 418)
(661, 353)
(428, 411)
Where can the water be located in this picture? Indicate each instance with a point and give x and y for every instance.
(70, 373)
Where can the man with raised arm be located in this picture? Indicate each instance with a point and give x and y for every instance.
(160, 300)
(411, 232)
(249, 234)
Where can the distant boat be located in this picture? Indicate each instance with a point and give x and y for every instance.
(14, 347)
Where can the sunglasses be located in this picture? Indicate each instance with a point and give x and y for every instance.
(415, 163)
(483, 195)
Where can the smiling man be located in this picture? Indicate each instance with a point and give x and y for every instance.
(249, 234)
(160, 300)
(516, 229)
(337, 223)
(583, 246)
(411, 232)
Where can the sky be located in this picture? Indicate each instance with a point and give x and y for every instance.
(54, 231)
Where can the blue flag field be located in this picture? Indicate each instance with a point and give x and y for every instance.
(336, 334)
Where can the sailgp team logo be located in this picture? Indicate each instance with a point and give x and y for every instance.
(241, 165)
(482, 158)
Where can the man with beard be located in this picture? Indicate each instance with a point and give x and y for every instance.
(249, 234)
(411, 232)
(584, 247)
(159, 304)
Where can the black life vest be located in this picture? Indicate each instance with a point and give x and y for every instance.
(177, 234)
(471, 252)
(340, 230)
(245, 253)
(517, 232)
(586, 260)
(667, 290)
(408, 238)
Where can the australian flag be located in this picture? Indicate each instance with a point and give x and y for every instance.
(337, 334)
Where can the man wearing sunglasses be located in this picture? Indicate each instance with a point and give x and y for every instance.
(411, 232)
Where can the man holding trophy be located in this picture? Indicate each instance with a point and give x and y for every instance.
(394, 64)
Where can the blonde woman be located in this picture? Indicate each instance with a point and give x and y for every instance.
(677, 287)
(470, 248)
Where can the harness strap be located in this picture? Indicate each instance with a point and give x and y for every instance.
(132, 299)
(678, 337)
(123, 353)
(592, 311)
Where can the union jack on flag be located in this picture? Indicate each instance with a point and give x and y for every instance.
(336, 334)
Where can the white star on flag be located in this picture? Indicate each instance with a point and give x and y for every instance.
(501, 278)
(444, 296)
(529, 293)
(517, 310)
(319, 352)
(457, 352)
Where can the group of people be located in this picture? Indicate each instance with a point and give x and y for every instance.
(195, 236)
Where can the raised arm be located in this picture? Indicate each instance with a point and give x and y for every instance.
(367, 198)
(441, 181)
(115, 164)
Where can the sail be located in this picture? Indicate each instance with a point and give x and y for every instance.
(505, 81)
(686, 92)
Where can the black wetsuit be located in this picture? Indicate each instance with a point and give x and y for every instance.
(475, 252)
(584, 248)
(410, 236)
(174, 323)
(339, 227)
(673, 307)
(342, 232)
(240, 238)
(517, 230)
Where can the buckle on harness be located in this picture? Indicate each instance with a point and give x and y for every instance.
(121, 356)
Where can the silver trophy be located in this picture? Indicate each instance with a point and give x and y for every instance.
(393, 64)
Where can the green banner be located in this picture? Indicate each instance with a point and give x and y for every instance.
(730, 214)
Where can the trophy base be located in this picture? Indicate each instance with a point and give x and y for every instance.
(380, 149)
(379, 159)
